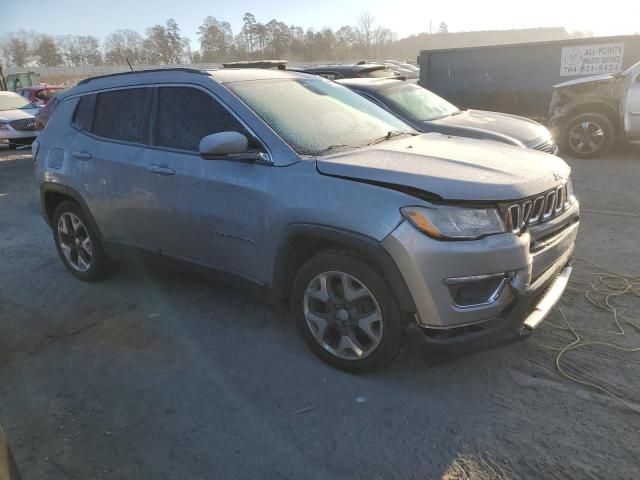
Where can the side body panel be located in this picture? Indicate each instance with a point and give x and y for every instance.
(632, 109)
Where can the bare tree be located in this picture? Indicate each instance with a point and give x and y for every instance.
(443, 27)
(164, 44)
(249, 31)
(122, 45)
(216, 39)
(15, 49)
(174, 42)
(46, 51)
(366, 28)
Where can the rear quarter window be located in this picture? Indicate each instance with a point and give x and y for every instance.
(83, 114)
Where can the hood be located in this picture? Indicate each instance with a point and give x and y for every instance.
(501, 127)
(591, 79)
(451, 168)
(17, 114)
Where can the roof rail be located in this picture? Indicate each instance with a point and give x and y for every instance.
(151, 70)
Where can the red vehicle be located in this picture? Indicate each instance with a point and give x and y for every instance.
(39, 94)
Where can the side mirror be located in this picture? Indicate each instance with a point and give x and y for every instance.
(223, 144)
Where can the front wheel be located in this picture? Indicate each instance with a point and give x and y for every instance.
(346, 312)
(589, 135)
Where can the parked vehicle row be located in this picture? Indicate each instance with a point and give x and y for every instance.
(306, 190)
(427, 112)
(17, 120)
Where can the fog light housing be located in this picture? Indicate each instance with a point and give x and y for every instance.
(476, 290)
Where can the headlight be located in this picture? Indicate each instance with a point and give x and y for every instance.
(4, 126)
(455, 223)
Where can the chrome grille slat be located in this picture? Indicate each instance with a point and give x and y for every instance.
(24, 125)
(549, 205)
(547, 147)
(537, 210)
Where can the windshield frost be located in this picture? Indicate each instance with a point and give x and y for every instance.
(417, 103)
(315, 115)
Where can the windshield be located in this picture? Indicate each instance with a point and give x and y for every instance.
(417, 103)
(314, 116)
(13, 102)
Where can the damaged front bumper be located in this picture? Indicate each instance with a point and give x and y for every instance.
(512, 282)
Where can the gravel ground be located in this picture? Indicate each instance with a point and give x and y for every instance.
(154, 375)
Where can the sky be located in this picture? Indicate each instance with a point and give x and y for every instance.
(403, 17)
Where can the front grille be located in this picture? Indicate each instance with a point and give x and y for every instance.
(547, 147)
(24, 125)
(539, 209)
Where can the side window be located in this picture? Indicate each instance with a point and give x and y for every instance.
(84, 112)
(120, 114)
(186, 115)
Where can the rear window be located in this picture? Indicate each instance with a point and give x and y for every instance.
(120, 114)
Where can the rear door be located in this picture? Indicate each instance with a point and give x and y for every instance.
(632, 107)
(110, 156)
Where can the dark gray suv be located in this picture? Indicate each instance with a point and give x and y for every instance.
(304, 189)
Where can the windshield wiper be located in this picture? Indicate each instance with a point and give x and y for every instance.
(390, 134)
(334, 148)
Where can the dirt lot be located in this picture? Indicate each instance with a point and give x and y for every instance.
(154, 375)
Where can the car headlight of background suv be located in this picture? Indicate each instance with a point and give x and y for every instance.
(455, 223)
(4, 126)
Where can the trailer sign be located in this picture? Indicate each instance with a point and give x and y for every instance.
(591, 59)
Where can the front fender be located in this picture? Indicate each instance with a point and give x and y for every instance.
(368, 247)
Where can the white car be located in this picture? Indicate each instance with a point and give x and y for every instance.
(17, 120)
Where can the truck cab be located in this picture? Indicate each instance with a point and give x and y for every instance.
(589, 114)
(16, 81)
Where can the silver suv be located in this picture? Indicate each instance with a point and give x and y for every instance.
(300, 187)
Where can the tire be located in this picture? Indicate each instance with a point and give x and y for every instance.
(589, 135)
(366, 312)
(78, 245)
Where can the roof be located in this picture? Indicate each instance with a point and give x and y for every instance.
(340, 67)
(244, 74)
(280, 64)
(140, 72)
(162, 75)
(372, 84)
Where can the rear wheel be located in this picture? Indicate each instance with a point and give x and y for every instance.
(78, 245)
(346, 313)
(589, 135)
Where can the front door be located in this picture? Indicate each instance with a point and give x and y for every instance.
(207, 211)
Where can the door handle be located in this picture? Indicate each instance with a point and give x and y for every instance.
(82, 155)
(161, 170)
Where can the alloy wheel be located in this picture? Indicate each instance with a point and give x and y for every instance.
(343, 315)
(586, 137)
(75, 241)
